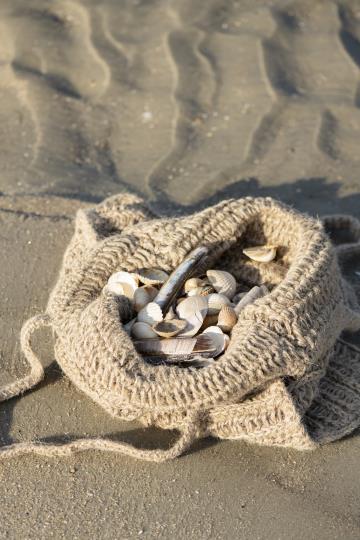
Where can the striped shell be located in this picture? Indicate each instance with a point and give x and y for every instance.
(122, 283)
(223, 282)
(219, 339)
(227, 318)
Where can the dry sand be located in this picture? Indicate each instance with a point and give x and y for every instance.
(185, 102)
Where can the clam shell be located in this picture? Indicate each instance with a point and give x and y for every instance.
(170, 314)
(223, 282)
(210, 320)
(261, 253)
(144, 295)
(193, 324)
(141, 330)
(150, 314)
(227, 318)
(192, 283)
(122, 283)
(169, 329)
(250, 297)
(220, 340)
(151, 276)
(215, 302)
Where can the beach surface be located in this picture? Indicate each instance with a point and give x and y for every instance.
(185, 103)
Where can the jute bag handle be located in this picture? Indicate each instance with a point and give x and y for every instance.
(187, 435)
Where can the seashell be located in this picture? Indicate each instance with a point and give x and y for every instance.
(220, 340)
(122, 283)
(169, 329)
(128, 326)
(191, 305)
(227, 318)
(143, 296)
(201, 291)
(223, 282)
(215, 302)
(176, 280)
(236, 299)
(151, 276)
(177, 349)
(170, 314)
(193, 324)
(261, 253)
(141, 330)
(210, 320)
(150, 314)
(250, 297)
(192, 283)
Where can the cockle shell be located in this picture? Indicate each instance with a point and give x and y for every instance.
(219, 339)
(201, 291)
(150, 314)
(192, 283)
(169, 329)
(261, 253)
(193, 310)
(151, 276)
(223, 282)
(216, 302)
(210, 320)
(144, 295)
(227, 318)
(122, 283)
(250, 297)
(141, 330)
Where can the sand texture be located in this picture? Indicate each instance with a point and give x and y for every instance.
(185, 102)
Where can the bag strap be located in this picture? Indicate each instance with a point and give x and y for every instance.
(187, 435)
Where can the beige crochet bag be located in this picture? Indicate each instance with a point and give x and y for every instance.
(286, 379)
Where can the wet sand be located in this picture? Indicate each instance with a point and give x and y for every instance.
(185, 103)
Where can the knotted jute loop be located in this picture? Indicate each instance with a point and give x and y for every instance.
(284, 380)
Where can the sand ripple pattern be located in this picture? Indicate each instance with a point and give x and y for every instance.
(176, 99)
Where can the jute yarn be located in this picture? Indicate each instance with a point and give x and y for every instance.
(288, 378)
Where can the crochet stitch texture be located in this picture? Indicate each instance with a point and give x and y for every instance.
(286, 379)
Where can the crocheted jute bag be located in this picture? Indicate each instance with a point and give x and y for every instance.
(287, 377)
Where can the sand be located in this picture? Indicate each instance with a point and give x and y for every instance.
(185, 102)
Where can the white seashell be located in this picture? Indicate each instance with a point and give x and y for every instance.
(150, 314)
(192, 283)
(193, 324)
(261, 253)
(143, 296)
(250, 297)
(219, 339)
(223, 282)
(216, 302)
(122, 283)
(227, 318)
(151, 276)
(141, 330)
(169, 329)
(191, 305)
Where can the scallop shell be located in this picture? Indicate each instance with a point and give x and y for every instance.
(192, 283)
(151, 276)
(143, 296)
(250, 297)
(122, 283)
(141, 330)
(223, 282)
(215, 302)
(169, 329)
(219, 339)
(150, 314)
(227, 318)
(261, 253)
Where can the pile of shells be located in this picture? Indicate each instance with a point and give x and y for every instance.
(185, 319)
